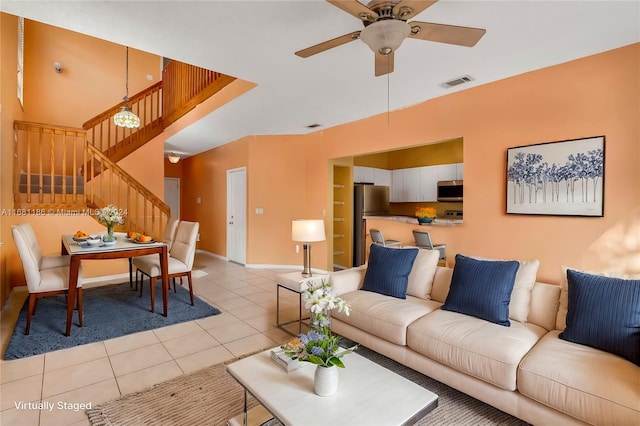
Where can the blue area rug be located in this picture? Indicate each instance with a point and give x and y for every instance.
(109, 311)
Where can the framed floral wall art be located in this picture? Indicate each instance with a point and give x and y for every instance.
(563, 178)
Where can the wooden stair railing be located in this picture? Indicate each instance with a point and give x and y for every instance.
(50, 177)
(111, 184)
(47, 165)
(182, 87)
(118, 142)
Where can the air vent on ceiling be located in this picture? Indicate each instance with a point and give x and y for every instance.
(313, 126)
(456, 81)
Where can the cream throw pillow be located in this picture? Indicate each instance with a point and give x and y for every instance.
(521, 294)
(422, 273)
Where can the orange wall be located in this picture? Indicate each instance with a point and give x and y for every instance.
(92, 77)
(596, 95)
(205, 176)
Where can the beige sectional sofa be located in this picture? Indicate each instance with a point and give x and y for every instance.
(524, 369)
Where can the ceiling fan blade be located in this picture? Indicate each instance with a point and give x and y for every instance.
(384, 64)
(355, 8)
(407, 9)
(338, 41)
(442, 33)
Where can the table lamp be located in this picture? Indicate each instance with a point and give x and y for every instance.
(307, 231)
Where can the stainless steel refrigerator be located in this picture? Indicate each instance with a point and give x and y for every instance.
(369, 200)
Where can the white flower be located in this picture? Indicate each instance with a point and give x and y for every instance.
(110, 216)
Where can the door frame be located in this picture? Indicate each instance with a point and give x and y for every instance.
(230, 199)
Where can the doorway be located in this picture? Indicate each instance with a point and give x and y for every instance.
(172, 196)
(237, 215)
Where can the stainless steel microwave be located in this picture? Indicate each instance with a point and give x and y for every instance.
(450, 190)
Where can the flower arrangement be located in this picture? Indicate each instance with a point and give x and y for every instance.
(320, 298)
(319, 346)
(110, 216)
(426, 212)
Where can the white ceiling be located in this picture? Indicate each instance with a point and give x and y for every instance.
(256, 41)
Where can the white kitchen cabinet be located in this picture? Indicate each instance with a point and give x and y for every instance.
(397, 186)
(382, 177)
(412, 184)
(429, 183)
(447, 172)
(363, 174)
(459, 171)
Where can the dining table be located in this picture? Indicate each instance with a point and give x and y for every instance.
(124, 248)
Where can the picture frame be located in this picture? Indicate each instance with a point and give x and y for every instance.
(562, 178)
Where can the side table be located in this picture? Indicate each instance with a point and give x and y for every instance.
(294, 282)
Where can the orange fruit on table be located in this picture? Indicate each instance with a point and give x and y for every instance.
(132, 234)
(144, 238)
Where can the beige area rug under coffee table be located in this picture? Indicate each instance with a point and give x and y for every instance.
(211, 397)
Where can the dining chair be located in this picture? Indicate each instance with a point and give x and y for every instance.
(45, 275)
(377, 238)
(169, 234)
(180, 259)
(423, 240)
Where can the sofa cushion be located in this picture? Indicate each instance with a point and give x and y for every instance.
(482, 288)
(422, 273)
(564, 292)
(604, 313)
(388, 270)
(383, 316)
(522, 287)
(471, 345)
(589, 384)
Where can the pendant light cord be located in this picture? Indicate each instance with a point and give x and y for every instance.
(126, 76)
(388, 93)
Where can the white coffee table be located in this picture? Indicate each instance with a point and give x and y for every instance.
(368, 394)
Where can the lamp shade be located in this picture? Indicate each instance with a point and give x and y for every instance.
(385, 36)
(307, 230)
(173, 158)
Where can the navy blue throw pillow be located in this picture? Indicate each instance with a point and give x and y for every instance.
(388, 270)
(604, 313)
(482, 288)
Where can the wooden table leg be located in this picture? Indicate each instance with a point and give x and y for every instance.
(74, 267)
(165, 279)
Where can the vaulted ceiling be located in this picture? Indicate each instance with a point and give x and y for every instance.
(256, 41)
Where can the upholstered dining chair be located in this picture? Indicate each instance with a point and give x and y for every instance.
(169, 234)
(180, 259)
(377, 238)
(45, 275)
(423, 240)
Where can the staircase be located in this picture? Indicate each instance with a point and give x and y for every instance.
(69, 169)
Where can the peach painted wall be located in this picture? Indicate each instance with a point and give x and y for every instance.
(92, 77)
(596, 95)
(91, 81)
(205, 176)
(11, 110)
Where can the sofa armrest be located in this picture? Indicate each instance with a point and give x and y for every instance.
(347, 280)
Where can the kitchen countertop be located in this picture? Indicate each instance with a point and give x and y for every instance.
(411, 220)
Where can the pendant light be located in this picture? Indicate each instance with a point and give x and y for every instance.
(126, 117)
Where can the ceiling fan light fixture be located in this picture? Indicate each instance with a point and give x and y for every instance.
(385, 36)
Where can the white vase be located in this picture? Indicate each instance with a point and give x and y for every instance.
(325, 380)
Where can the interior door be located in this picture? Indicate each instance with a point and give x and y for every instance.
(237, 215)
(172, 196)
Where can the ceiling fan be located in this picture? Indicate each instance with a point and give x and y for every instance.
(386, 27)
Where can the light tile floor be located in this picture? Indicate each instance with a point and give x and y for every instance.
(101, 371)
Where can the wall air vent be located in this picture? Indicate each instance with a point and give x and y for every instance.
(456, 81)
